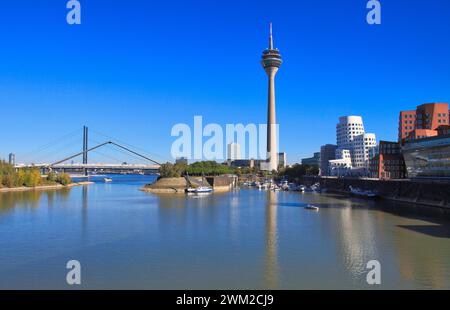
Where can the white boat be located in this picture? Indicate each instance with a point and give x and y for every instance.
(200, 190)
(264, 186)
(203, 189)
(315, 187)
(312, 208)
(362, 193)
(107, 180)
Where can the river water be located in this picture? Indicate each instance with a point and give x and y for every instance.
(247, 239)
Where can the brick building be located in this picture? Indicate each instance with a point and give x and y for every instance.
(423, 122)
(388, 163)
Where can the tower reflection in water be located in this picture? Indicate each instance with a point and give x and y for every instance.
(271, 263)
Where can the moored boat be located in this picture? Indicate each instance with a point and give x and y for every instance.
(312, 208)
(199, 190)
(362, 193)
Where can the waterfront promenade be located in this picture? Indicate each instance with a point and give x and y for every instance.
(427, 192)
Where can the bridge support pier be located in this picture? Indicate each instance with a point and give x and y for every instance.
(85, 148)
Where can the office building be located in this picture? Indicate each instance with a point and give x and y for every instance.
(282, 160)
(327, 153)
(423, 122)
(354, 143)
(12, 159)
(388, 163)
(342, 165)
(428, 157)
(364, 148)
(312, 161)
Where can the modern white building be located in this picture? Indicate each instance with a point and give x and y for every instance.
(234, 151)
(340, 167)
(347, 129)
(342, 164)
(354, 147)
(364, 148)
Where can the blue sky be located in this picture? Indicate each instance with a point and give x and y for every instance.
(135, 68)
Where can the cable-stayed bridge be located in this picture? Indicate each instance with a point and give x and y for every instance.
(67, 163)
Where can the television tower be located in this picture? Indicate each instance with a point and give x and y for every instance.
(271, 62)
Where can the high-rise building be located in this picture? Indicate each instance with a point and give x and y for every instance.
(327, 153)
(347, 129)
(12, 159)
(271, 62)
(234, 151)
(364, 148)
(423, 122)
(282, 160)
(354, 144)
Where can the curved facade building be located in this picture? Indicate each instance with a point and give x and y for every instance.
(355, 146)
(346, 130)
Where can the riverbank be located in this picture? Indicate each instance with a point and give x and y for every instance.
(166, 186)
(42, 187)
(429, 193)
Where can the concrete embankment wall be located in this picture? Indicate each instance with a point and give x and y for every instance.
(178, 185)
(223, 183)
(424, 192)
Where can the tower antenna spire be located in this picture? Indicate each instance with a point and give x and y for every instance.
(271, 38)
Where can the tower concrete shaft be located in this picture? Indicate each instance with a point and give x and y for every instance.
(271, 62)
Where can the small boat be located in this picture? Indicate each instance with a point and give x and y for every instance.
(312, 208)
(199, 190)
(362, 193)
(107, 180)
(264, 186)
(203, 189)
(315, 187)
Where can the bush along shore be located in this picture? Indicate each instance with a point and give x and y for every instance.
(29, 178)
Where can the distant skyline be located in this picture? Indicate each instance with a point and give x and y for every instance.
(134, 69)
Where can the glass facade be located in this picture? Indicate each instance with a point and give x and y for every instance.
(428, 157)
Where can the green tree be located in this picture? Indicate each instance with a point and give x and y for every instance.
(298, 171)
(32, 178)
(52, 177)
(64, 179)
(8, 175)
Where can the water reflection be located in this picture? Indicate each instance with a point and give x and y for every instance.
(84, 210)
(25, 199)
(356, 240)
(271, 263)
(214, 241)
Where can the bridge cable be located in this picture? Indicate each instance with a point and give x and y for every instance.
(127, 144)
